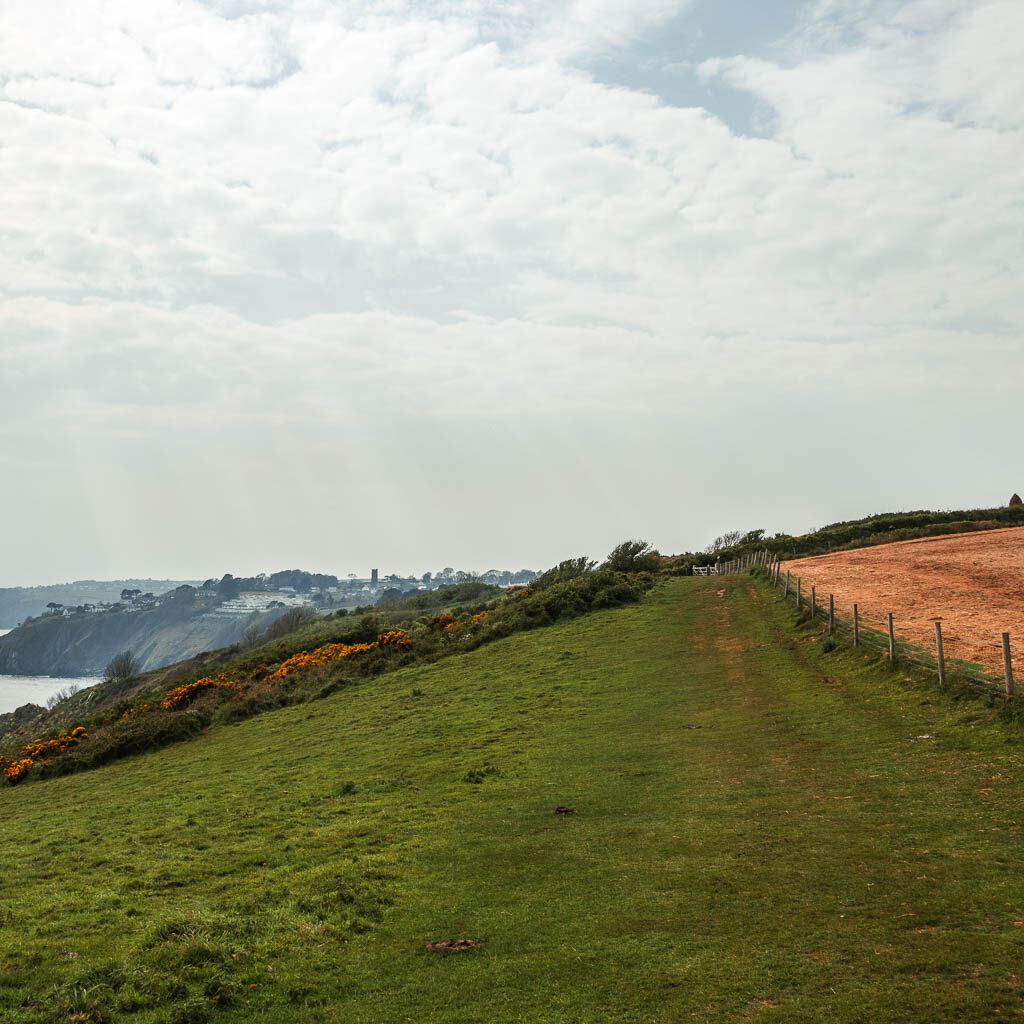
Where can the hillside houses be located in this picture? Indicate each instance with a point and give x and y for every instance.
(252, 602)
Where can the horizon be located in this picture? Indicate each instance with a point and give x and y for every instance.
(499, 566)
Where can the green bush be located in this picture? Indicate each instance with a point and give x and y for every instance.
(146, 731)
(632, 556)
(570, 569)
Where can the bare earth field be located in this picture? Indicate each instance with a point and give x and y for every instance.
(973, 582)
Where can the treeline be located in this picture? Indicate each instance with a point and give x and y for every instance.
(883, 528)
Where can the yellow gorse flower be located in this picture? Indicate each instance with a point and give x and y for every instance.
(182, 694)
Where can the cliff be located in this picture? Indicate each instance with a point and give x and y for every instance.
(80, 645)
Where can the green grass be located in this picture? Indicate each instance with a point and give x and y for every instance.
(802, 856)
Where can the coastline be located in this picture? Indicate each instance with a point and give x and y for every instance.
(18, 690)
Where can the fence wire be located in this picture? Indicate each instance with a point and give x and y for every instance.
(960, 647)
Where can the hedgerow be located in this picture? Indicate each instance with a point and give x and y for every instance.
(884, 528)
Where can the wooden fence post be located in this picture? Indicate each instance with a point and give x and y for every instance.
(785, 596)
(856, 626)
(1007, 665)
(940, 658)
(799, 587)
(814, 601)
(831, 614)
(892, 642)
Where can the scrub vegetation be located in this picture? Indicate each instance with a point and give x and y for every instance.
(315, 658)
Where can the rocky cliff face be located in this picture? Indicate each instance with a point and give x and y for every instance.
(82, 645)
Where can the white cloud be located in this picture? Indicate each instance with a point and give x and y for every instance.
(223, 218)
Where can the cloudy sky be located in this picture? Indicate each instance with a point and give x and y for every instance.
(336, 284)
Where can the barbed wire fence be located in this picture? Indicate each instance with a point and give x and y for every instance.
(946, 654)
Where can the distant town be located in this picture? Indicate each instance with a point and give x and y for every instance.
(291, 588)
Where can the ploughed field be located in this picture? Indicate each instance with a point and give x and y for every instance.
(679, 810)
(972, 582)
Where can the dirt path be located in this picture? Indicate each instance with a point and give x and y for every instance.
(973, 583)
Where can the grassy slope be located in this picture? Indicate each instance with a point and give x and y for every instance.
(801, 857)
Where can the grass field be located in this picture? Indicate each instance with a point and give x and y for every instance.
(762, 832)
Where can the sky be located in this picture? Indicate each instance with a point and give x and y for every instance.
(338, 285)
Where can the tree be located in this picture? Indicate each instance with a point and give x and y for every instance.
(292, 620)
(122, 667)
(62, 695)
(252, 636)
(570, 569)
(632, 556)
(727, 540)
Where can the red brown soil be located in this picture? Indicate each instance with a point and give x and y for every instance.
(973, 582)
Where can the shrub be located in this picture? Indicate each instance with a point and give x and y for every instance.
(632, 556)
(570, 569)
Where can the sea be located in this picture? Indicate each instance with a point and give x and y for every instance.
(18, 690)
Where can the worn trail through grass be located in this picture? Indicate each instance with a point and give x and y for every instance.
(762, 832)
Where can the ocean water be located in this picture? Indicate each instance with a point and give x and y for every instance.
(18, 690)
